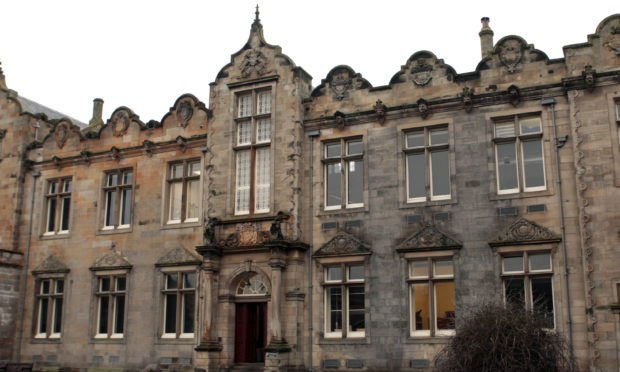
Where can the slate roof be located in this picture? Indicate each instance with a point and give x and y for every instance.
(37, 108)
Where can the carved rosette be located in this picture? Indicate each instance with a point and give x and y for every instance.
(185, 111)
(254, 62)
(120, 123)
(428, 238)
(510, 54)
(61, 133)
(523, 231)
(343, 244)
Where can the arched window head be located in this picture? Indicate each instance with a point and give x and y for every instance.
(252, 285)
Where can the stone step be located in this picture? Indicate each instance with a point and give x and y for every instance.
(247, 367)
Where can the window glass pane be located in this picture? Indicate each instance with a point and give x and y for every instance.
(419, 269)
(617, 111)
(126, 207)
(334, 273)
(533, 164)
(444, 304)
(415, 139)
(176, 196)
(514, 291)
(540, 261)
(507, 166)
(104, 284)
(53, 187)
(542, 297)
(439, 137)
(112, 179)
(45, 287)
(110, 208)
(51, 214)
(334, 309)
(504, 130)
(176, 170)
(243, 182)
(263, 177)
(356, 272)
(531, 125)
(355, 147)
(356, 182)
(421, 306)
(440, 173)
(356, 309)
(127, 177)
(334, 177)
(64, 222)
(171, 314)
(189, 280)
(59, 286)
(245, 105)
(120, 283)
(172, 281)
(67, 186)
(119, 312)
(416, 179)
(332, 150)
(103, 314)
(43, 315)
(57, 315)
(444, 268)
(194, 169)
(188, 312)
(513, 264)
(264, 102)
(263, 130)
(193, 199)
(244, 133)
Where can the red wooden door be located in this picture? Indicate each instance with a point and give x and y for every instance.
(250, 332)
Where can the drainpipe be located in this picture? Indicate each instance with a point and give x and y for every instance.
(312, 134)
(35, 175)
(558, 144)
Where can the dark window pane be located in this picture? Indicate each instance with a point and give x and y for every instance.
(57, 315)
(335, 309)
(542, 297)
(45, 286)
(332, 150)
(126, 207)
(440, 171)
(66, 202)
(104, 285)
(171, 314)
(53, 187)
(43, 315)
(127, 177)
(67, 186)
(172, 281)
(103, 314)
(188, 313)
(515, 293)
(513, 264)
(356, 309)
(444, 296)
(416, 178)
(120, 283)
(533, 164)
(189, 280)
(356, 182)
(119, 314)
(51, 214)
(112, 179)
(59, 286)
(110, 207)
(356, 272)
(507, 166)
(334, 177)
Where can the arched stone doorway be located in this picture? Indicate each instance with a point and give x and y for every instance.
(251, 295)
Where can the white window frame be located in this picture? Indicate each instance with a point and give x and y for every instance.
(518, 139)
(120, 206)
(254, 117)
(65, 189)
(427, 150)
(112, 294)
(344, 159)
(181, 272)
(52, 298)
(345, 283)
(185, 180)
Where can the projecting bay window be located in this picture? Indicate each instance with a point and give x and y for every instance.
(58, 206)
(183, 192)
(118, 191)
(527, 280)
(345, 301)
(431, 296)
(519, 155)
(111, 300)
(179, 295)
(253, 152)
(344, 174)
(50, 293)
(428, 164)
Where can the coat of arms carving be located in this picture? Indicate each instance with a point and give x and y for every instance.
(60, 134)
(341, 83)
(253, 62)
(184, 113)
(613, 42)
(510, 54)
(120, 123)
(421, 74)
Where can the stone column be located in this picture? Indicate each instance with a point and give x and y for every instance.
(208, 352)
(275, 320)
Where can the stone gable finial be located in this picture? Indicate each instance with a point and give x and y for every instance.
(2, 80)
(257, 13)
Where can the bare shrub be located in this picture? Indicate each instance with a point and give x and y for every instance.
(496, 337)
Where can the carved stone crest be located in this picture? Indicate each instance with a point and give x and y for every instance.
(510, 54)
(589, 77)
(421, 74)
(523, 231)
(613, 41)
(381, 111)
(515, 95)
(120, 123)
(343, 244)
(429, 238)
(178, 256)
(468, 95)
(254, 61)
(341, 83)
(423, 108)
(60, 134)
(51, 265)
(111, 260)
(185, 113)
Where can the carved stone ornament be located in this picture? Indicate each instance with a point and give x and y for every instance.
(613, 41)
(148, 148)
(185, 113)
(232, 240)
(276, 229)
(51, 265)
(421, 73)
(120, 123)
(2, 133)
(427, 239)
(182, 143)
(57, 161)
(589, 77)
(85, 155)
(178, 256)
(254, 61)
(510, 54)
(343, 244)
(468, 95)
(339, 120)
(252, 285)
(60, 134)
(111, 260)
(423, 108)
(115, 153)
(208, 235)
(523, 231)
(341, 83)
(381, 111)
(515, 95)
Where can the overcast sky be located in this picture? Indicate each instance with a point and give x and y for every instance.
(145, 54)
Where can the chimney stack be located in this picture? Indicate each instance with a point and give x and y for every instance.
(486, 37)
(97, 113)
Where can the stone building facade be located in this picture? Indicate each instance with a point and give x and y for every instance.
(286, 227)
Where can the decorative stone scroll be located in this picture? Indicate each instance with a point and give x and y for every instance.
(343, 244)
(523, 231)
(429, 238)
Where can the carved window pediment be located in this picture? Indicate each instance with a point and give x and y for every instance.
(343, 244)
(427, 239)
(178, 256)
(523, 231)
(51, 265)
(110, 261)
